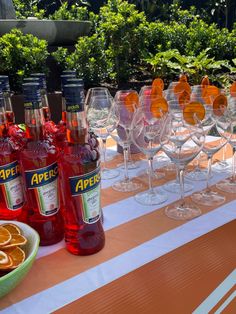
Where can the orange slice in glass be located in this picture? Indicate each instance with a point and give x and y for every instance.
(232, 89)
(156, 91)
(193, 111)
(17, 239)
(5, 236)
(158, 82)
(17, 256)
(219, 105)
(12, 228)
(184, 99)
(159, 107)
(183, 78)
(209, 92)
(181, 87)
(205, 81)
(131, 101)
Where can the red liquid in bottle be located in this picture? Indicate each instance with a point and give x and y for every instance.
(46, 113)
(10, 117)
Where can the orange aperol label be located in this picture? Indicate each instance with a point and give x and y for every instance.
(158, 82)
(194, 111)
(181, 87)
(219, 105)
(232, 89)
(159, 107)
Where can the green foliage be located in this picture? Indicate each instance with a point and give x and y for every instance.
(89, 58)
(70, 12)
(26, 8)
(21, 55)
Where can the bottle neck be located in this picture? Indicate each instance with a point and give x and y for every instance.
(77, 128)
(34, 120)
(3, 122)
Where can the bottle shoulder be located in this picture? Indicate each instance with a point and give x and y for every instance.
(41, 148)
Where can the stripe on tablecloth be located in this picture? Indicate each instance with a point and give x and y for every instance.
(118, 266)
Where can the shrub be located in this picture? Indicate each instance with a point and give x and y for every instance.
(26, 8)
(70, 12)
(21, 55)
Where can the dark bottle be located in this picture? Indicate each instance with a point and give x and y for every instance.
(10, 116)
(80, 180)
(38, 160)
(11, 189)
(64, 81)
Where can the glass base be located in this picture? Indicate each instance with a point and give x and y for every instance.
(184, 211)
(222, 165)
(197, 175)
(227, 185)
(174, 187)
(157, 175)
(109, 174)
(131, 165)
(208, 198)
(126, 186)
(150, 198)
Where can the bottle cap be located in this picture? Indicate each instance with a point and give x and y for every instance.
(32, 97)
(42, 79)
(69, 72)
(74, 96)
(4, 79)
(77, 81)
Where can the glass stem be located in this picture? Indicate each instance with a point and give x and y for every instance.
(209, 163)
(234, 165)
(150, 174)
(126, 156)
(181, 181)
(177, 174)
(104, 150)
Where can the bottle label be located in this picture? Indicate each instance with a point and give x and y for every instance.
(44, 182)
(87, 186)
(11, 185)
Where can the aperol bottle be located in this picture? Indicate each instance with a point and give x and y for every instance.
(79, 165)
(10, 116)
(11, 190)
(38, 160)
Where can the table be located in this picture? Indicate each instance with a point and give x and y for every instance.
(150, 263)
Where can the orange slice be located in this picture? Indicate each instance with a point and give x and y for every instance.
(12, 228)
(219, 105)
(233, 89)
(183, 78)
(184, 98)
(8, 265)
(192, 110)
(205, 81)
(4, 259)
(209, 92)
(159, 83)
(181, 87)
(156, 91)
(5, 236)
(17, 255)
(159, 106)
(131, 101)
(17, 239)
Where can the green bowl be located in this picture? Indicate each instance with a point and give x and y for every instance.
(13, 278)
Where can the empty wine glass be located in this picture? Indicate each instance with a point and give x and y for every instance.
(146, 129)
(178, 137)
(208, 197)
(119, 125)
(96, 91)
(97, 115)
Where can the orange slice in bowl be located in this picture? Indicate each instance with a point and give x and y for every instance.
(5, 236)
(184, 98)
(17, 256)
(6, 266)
(4, 259)
(16, 239)
(159, 107)
(181, 87)
(205, 81)
(131, 101)
(193, 111)
(219, 105)
(12, 228)
(156, 91)
(159, 83)
(232, 89)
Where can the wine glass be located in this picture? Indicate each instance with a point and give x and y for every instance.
(177, 138)
(118, 126)
(146, 129)
(97, 115)
(134, 100)
(96, 91)
(208, 197)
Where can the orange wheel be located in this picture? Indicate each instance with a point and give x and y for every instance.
(159, 106)
(219, 105)
(158, 82)
(181, 87)
(192, 111)
(131, 101)
(233, 89)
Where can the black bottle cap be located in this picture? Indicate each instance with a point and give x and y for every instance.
(4, 79)
(32, 97)
(42, 79)
(74, 96)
